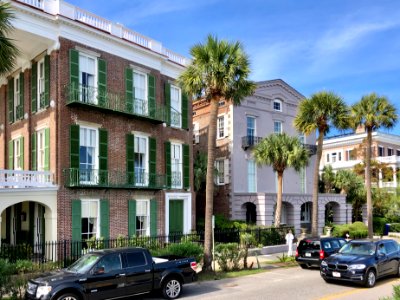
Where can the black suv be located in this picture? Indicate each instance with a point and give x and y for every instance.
(311, 251)
(363, 261)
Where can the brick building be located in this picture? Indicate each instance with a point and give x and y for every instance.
(95, 135)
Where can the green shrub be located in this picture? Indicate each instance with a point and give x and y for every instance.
(5, 277)
(145, 242)
(228, 256)
(185, 249)
(272, 237)
(356, 230)
(394, 227)
(379, 225)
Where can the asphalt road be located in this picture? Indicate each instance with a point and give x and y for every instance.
(291, 283)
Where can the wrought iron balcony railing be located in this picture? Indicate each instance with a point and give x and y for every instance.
(113, 179)
(249, 141)
(26, 179)
(91, 96)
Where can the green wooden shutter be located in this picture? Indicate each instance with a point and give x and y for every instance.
(21, 149)
(33, 152)
(11, 155)
(130, 158)
(47, 149)
(131, 218)
(76, 220)
(184, 111)
(10, 90)
(105, 219)
(20, 108)
(167, 92)
(47, 81)
(103, 156)
(167, 146)
(186, 167)
(153, 217)
(152, 95)
(34, 88)
(153, 162)
(129, 92)
(74, 146)
(102, 82)
(73, 75)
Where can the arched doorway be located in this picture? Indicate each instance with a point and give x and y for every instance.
(287, 211)
(332, 213)
(306, 215)
(251, 212)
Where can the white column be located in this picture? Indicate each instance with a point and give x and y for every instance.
(394, 176)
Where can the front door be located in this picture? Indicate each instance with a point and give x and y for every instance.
(175, 216)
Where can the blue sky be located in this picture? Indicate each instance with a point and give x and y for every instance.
(351, 47)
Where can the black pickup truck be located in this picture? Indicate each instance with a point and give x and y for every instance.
(114, 273)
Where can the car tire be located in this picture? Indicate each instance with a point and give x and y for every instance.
(68, 296)
(303, 266)
(171, 288)
(370, 279)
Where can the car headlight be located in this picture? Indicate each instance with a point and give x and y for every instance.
(43, 290)
(323, 263)
(357, 267)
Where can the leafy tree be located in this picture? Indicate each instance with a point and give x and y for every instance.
(219, 70)
(281, 152)
(8, 50)
(372, 112)
(328, 178)
(200, 170)
(321, 112)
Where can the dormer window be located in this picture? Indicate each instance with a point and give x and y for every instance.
(277, 105)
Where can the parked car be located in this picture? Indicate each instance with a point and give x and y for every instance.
(363, 261)
(115, 273)
(311, 251)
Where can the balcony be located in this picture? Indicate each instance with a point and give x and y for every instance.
(250, 141)
(91, 97)
(79, 178)
(26, 179)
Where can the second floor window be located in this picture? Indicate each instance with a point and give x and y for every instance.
(141, 160)
(87, 78)
(41, 150)
(18, 154)
(176, 107)
(277, 127)
(176, 165)
(221, 127)
(140, 92)
(251, 126)
(390, 152)
(381, 151)
(40, 83)
(88, 154)
(17, 99)
(219, 165)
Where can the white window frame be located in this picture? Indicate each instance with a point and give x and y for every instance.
(40, 149)
(176, 166)
(94, 173)
(280, 127)
(91, 90)
(145, 180)
(196, 133)
(177, 111)
(17, 153)
(220, 166)
(97, 224)
(40, 82)
(381, 148)
(251, 177)
(278, 103)
(391, 151)
(143, 231)
(141, 104)
(16, 95)
(221, 127)
(305, 216)
(254, 133)
(334, 157)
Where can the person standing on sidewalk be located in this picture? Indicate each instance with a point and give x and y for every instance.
(289, 241)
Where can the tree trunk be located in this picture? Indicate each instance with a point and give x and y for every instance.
(278, 210)
(368, 182)
(314, 224)
(212, 135)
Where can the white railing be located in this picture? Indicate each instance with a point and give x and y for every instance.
(60, 7)
(388, 184)
(388, 159)
(24, 179)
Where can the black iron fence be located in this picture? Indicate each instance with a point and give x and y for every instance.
(62, 253)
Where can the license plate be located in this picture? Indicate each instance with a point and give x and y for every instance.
(308, 254)
(335, 274)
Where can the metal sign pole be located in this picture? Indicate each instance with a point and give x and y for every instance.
(213, 241)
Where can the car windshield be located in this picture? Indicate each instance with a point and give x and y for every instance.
(358, 249)
(84, 264)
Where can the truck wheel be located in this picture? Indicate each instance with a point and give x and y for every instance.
(68, 296)
(172, 288)
(370, 279)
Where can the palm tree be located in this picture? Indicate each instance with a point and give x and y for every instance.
(219, 70)
(328, 178)
(8, 50)
(320, 112)
(281, 152)
(372, 112)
